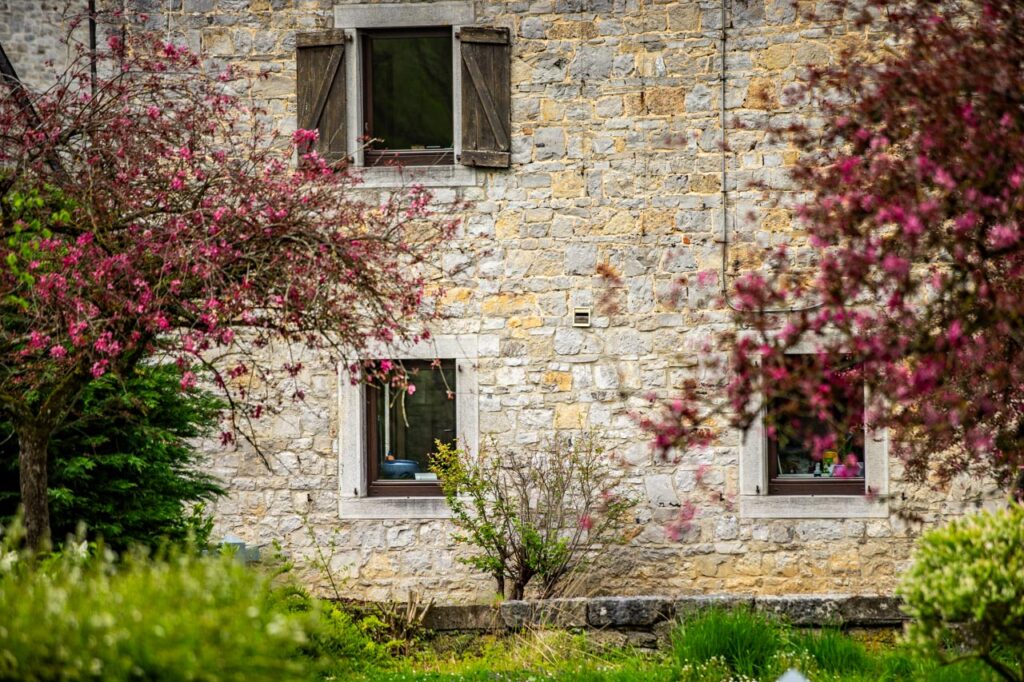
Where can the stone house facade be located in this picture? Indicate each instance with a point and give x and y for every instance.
(613, 155)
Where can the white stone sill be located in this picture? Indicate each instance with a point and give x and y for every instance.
(377, 177)
(812, 507)
(408, 508)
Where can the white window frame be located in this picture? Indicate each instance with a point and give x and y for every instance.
(351, 443)
(360, 17)
(756, 503)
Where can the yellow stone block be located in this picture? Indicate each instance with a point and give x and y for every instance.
(777, 57)
(562, 381)
(567, 184)
(633, 104)
(666, 101)
(622, 222)
(777, 220)
(458, 295)
(551, 110)
(761, 94)
(507, 226)
(529, 322)
(507, 305)
(571, 416)
(572, 30)
(655, 220)
(709, 183)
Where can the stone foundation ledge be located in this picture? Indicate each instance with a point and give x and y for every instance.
(647, 613)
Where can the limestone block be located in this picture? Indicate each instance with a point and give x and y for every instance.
(571, 416)
(626, 612)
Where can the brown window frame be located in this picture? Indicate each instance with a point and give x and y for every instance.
(398, 157)
(376, 487)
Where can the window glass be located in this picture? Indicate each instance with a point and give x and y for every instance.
(405, 425)
(816, 443)
(410, 90)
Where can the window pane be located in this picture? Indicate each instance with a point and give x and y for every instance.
(815, 444)
(407, 425)
(411, 92)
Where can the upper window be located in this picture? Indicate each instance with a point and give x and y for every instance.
(393, 89)
(407, 97)
(815, 445)
(402, 427)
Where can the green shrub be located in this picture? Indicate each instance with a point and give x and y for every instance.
(122, 464)
(965, 591)
(530, 516)
(182, 617)
(744, 642)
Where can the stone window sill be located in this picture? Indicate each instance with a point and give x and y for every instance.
(812, 507)
(409, 508)
(427, 176)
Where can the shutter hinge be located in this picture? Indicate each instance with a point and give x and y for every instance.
(458, 157)
(458, 35)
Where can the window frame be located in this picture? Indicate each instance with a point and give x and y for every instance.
(359, 19)
(377, 487)
(814, 501)
(821, 485)
(354, 499)
(410, 157)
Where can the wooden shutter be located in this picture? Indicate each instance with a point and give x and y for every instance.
(320, 87)
(486, 96)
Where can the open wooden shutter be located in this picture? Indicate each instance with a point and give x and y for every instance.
(320, 86)
(486, 96)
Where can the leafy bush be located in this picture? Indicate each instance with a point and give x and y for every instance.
(180, 617)
(121, 463)
(532, 515)
(740, 641)
(965, 591)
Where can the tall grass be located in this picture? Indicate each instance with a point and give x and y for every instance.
(833, 651)
(746, 641)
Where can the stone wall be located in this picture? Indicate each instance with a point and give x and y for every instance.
(616, 160)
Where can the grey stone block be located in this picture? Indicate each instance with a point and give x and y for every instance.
(802, 610)
(871, 611)
(449, 617)
(698, 603)
(516, 614)
(629, 612)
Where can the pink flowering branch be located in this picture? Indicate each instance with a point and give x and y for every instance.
(914, 190)
(177, 225)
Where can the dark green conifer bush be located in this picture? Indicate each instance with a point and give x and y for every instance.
(122, 463)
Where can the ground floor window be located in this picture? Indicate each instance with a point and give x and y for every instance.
(815, 443)
(403, 426)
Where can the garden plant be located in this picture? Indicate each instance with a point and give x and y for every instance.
(146, 209)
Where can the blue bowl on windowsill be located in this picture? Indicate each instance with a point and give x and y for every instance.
(399, 469)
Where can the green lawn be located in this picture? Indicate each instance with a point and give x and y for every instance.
(733, 649)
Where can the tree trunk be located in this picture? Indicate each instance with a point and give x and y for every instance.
(33, 442)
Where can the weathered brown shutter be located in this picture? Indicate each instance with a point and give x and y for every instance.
(320, 86)
(486, 96)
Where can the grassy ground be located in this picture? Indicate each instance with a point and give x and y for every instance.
(717, 647)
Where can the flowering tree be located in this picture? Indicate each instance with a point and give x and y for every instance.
(913, 191)
(149, 211)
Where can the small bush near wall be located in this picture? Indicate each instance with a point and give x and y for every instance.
(531, 516)
(965, 591)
